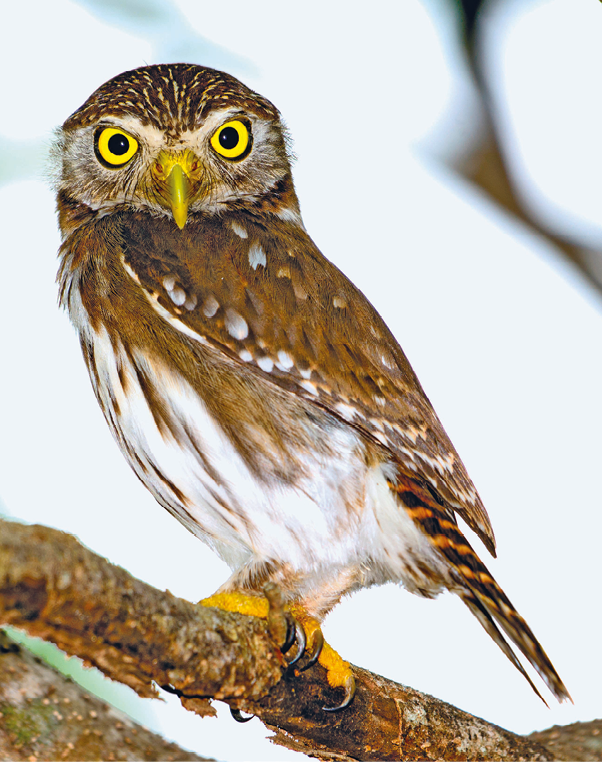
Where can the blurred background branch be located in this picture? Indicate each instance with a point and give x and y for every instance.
(487, 166)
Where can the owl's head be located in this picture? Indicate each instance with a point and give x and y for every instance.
(176, 139)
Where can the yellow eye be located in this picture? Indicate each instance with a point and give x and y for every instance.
(115, 147)
(232, 140)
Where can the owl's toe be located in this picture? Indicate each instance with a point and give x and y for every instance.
(239, 716)
(316, 650)
(339, 675)
(312, 643)
(338, 671)
(349, 686)
(290, 625)
(301, 641)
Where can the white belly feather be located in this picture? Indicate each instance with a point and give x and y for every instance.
(308, 527)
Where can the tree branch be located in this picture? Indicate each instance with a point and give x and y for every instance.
(53, 587)
(579, 742)
(488, 167)
(45, 715)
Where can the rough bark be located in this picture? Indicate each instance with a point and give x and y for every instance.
(53, 587)
(44, 715)
(580, 742)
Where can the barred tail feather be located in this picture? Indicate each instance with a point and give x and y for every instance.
(493, 599)
(491, 628)
(477, 588)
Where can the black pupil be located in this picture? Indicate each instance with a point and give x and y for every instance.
(118, 144)
(228, 138)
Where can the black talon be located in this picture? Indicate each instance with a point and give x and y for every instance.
(315, 651)
(301, 641)
(237, 715)
(291, 632)
(349, 694)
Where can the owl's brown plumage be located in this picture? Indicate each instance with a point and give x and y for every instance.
(251, 386)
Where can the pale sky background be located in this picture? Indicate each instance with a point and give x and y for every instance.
(504, 335)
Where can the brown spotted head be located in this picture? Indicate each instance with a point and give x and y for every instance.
(175, 140)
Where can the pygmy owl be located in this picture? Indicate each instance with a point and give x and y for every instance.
(250, 385)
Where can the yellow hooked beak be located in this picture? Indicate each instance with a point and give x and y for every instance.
(173, 171)
(178, 194)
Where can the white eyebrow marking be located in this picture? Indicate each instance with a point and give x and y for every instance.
(257, 256)
(236, 325)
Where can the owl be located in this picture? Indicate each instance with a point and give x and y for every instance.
(252, 388)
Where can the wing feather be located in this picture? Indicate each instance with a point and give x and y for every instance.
(270, 299)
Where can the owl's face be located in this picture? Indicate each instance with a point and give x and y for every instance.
(176, 140)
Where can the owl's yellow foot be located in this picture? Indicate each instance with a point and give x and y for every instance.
(241, 603)
(338, 671)
(305, 631)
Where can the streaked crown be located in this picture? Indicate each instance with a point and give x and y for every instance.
(171, 97)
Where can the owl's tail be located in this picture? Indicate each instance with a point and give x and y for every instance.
(475, 585)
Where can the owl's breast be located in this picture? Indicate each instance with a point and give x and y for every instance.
(307, 509)
(259, 472)
(330, 517)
